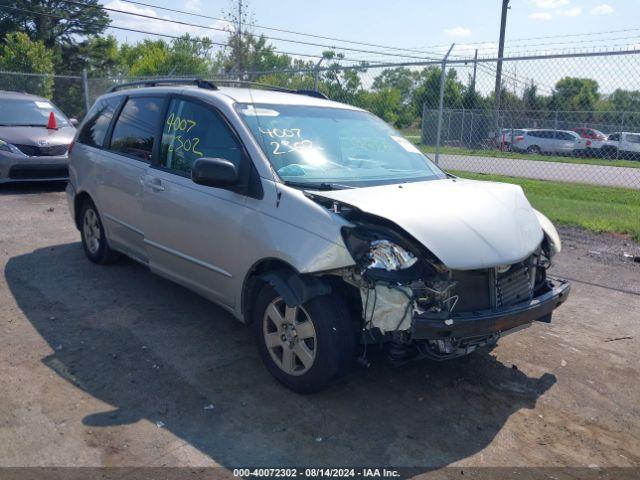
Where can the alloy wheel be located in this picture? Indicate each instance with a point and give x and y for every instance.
(91, 231)
(290, 337)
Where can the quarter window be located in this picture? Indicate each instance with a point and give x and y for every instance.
(95, 128)
(193, 131)
(134, 131)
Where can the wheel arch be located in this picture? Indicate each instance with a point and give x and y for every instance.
(78, 201)
(295, 288)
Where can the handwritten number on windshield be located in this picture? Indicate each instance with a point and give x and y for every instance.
(284, 146)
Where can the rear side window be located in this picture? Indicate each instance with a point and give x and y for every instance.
(95, 128)
(633, 138)
(134, 131)
(193, 131)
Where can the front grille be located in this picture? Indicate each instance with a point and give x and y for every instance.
(35, 151)
(489, 289)
(32, 172)
(514, 286)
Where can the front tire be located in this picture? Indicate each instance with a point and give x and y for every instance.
(94, 240)
(308, 347)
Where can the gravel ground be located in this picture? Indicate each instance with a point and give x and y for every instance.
(113, 366)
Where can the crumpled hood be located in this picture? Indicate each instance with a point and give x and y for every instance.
(37, 136)
(466, 224)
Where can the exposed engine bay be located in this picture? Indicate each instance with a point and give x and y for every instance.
(401, 283)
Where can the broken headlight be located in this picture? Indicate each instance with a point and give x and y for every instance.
(382, 254)
(390, 256)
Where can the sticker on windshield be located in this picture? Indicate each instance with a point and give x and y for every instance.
(44, 105)
(406, 144)
(251, 111)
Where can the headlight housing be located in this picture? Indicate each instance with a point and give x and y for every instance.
(383, 254)
(390, 256)
(7, 147)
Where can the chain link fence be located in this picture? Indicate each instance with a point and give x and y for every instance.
(568, 118)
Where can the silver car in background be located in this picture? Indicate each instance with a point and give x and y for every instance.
(29, 150)
(314, 221)
(550, 141)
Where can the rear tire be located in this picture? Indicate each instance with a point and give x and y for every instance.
(94, 239)
(534, 149)
(609, 153)
(306, 348)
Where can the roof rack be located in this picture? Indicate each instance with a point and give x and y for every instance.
(301, 91)
(165, 81)
(210, 86)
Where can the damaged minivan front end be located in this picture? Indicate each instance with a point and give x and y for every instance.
(420, 306)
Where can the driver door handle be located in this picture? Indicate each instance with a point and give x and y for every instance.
(154, 183)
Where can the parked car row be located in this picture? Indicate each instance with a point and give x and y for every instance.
(580, 141)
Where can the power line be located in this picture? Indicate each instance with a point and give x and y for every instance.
(282, 30)
(545, 37)
(278, 39)
(167, 35)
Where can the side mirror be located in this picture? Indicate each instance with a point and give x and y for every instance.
(214, 172)
(74, 122)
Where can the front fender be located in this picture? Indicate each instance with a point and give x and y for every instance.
(550, 232)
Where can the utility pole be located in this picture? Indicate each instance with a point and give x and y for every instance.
(239, 41)
(503, 25)
(475, 68)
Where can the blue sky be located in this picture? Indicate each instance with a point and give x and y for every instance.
(430, 26)
(426, 24)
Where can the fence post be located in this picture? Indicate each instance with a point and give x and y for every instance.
(620, 140)
(85, 88)
(441, 103)
(316, 75)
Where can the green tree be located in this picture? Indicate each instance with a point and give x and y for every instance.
(530, 98)
(575, 94)
(54, 22)
(625, 100)
(257, 56)
(18, 53)
(183, 56)
(401, 78)
(428, 91)
(386, 103)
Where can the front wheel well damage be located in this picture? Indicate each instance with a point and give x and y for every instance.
(295, 288)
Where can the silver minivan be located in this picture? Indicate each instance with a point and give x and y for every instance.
(312, 220)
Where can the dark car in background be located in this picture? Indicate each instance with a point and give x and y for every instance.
(35, 137)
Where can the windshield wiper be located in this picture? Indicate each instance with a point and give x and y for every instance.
(316, 185)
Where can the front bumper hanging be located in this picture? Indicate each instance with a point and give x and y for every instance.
(487, 323)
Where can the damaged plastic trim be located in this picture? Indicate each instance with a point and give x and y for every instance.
(296, 289)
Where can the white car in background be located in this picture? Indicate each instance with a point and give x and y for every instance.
(622, 145)
(550, 141)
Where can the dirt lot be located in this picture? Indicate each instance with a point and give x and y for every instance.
(114, 366)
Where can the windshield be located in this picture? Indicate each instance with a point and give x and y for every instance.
(334, 147)
(27, 112)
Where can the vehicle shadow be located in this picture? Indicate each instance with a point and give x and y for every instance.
(32, 187)
(155, 351)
